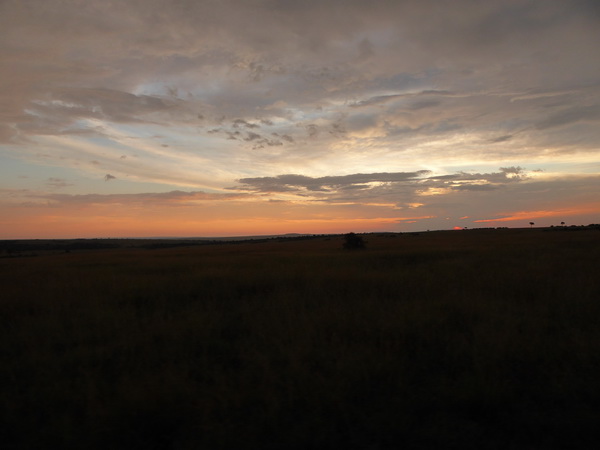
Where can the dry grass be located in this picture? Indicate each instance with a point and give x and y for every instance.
(479, 339)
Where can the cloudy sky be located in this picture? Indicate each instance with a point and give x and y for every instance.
(239, 117)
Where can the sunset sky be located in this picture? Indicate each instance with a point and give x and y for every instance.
(243, 117)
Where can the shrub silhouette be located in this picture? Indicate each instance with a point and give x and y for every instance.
(353, 242)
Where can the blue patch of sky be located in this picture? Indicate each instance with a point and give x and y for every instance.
(17, 174)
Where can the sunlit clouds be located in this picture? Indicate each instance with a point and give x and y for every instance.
(156, 118)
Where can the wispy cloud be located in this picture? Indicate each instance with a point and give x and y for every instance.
(57, 183)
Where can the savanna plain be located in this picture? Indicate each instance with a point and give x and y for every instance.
(486, 339)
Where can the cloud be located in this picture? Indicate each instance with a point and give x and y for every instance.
(57, 183)
(109, 177)
(241, 122)
(379, 99)
(243, 90)
(474, 187)
(217, 65)
(63, 110)
(396, 189)
(393, 206)
(571, 115)
(292, 182)
(422, 104)
(506, 137)
(172, 198)
(250, 136)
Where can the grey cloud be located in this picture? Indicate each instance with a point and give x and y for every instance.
(273, 142)
(173, 197)
(258, 140)
(111, 104)
(354, 186)
(7, 133)
(475, 187)
(285, 137)
(57, 183)
(274, 63)
(109, 177)
(514, 170)
(56, 113)
(506, 137)
(257, 71)
(516, 20)
(400, 188)
(424, 104)
(571, 115)
(337, 129)
(365, 49)
(442, 127)
(535, 95)
(241, 122)
(380, 99)
(313, 31)
(505, 175)
(375, 100)
(291, 182)
(250, 136)
(312, 130)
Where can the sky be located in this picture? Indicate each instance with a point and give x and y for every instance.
(138, 118)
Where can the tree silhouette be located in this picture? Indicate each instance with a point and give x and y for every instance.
(531, 224)
(353, 242)
(562, 223)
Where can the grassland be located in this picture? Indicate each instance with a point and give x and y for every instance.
(471, 339)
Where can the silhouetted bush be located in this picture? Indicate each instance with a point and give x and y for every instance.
(353, 241)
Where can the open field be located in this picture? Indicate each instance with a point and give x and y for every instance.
(483, 339)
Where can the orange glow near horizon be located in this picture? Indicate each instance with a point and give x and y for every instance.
(199, 125)
(221, 218)
(214, 219)
(50, 229)
(533, 215)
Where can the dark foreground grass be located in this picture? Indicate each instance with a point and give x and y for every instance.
(485, 340)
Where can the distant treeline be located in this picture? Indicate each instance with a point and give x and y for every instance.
(30, 247)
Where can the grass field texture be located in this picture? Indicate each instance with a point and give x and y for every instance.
(485, 339)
